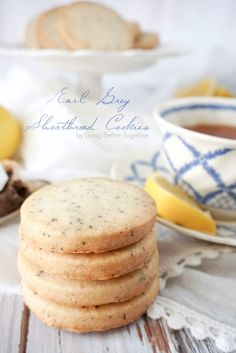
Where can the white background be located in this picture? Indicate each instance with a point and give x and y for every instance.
(197, 23)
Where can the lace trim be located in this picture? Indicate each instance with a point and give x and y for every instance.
(200, 326)
(174, 268)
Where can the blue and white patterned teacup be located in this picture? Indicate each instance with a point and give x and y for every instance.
(204, 165)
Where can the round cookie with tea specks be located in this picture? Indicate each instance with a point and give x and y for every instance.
(74, 292)
(94, 318)
(48, 30)
(86, 25)
(87, 215)
(31, 35)
(135, 29)
(93, 266)
(146, 41)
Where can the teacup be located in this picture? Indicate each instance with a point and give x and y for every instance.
(202, 164)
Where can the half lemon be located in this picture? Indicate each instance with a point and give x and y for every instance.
(10, 134)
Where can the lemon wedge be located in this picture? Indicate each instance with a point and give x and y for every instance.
(205, 87)
(10, 134)
(222, 92)
(175, 205)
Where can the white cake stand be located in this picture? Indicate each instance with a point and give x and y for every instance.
(91, 65)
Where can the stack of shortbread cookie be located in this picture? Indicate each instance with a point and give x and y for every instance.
(86, 25)
(88, 255)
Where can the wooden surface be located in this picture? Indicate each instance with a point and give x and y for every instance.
(22, 332)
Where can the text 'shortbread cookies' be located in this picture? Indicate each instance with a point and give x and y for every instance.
(74, 292)
(94, 318)
(93, 266)
(87, 215)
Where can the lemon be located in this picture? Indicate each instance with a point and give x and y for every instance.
(205, 87)
(175, 205)
(10, 134)
(222, 92)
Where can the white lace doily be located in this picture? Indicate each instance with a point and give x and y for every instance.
(174, 258)
(201, 326)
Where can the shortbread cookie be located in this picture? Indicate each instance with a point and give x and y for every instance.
(135, 30)
(93, 266)
(146, 41)
(31, 35)
(48, 30)
(96, 318)
(87, 215)
(74, 292)
(87, 25)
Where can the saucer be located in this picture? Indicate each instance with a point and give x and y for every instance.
(225, 234)
(32, 185)
(9, 216)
